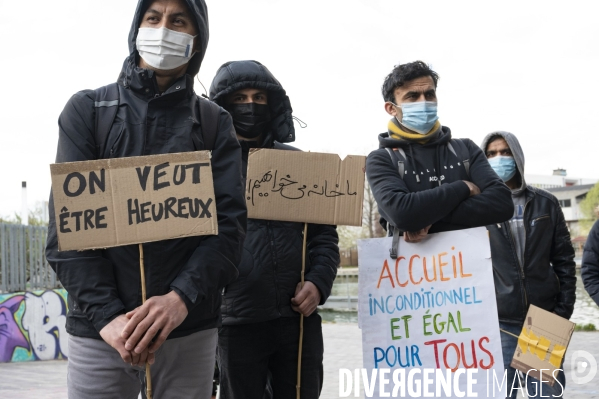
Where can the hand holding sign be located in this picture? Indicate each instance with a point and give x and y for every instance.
(112, 202)
(111, 334)
(306, 298)
(416, 236)
(152, 322)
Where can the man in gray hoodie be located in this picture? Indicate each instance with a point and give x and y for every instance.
(533, 258)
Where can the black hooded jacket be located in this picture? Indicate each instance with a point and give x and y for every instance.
(103, 284)
(272, 253)
(547, 275)
(411, 205)
(590, 263)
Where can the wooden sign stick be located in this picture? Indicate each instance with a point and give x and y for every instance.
(301, 332)
(143, 300)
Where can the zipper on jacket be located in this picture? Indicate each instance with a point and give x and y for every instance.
(511, 236)
(271, 238)
(520, 266)
(508, 232)
(524, 252)
(537, 219)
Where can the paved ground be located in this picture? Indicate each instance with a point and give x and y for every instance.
(343, 349)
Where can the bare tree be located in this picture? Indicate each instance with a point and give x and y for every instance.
(370, 216)
(371, 228)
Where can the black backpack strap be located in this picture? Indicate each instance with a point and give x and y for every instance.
(209, 117)
(106, 105)
(398, 156)
(394, 242)
(462, 153)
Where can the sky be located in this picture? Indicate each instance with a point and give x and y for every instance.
(527, 67)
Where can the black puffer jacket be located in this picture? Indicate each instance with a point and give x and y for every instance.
(105, 283)
(547, 277)
(590, 263)
(272, 253)
(411, 205)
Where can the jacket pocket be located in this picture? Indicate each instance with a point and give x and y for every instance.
(559, 285)
(538, 220)
(246, 266)
(114, 141)
(216, 302)
(74, 310)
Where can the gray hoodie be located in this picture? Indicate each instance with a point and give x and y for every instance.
(517, 221)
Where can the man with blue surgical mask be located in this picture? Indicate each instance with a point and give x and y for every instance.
(423, 180)
(151, 109)
(533, 258)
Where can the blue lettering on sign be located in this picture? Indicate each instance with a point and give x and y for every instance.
(422, 300)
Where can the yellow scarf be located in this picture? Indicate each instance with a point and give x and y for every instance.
(396, 132)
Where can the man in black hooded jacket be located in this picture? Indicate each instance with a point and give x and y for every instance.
(261, 308)
(533, 258)
(111, 334)
(423, 180)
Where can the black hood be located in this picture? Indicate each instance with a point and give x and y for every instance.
(199, 11)
(237, 75)
(514, 144)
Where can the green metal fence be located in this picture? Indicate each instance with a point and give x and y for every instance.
(23, 265)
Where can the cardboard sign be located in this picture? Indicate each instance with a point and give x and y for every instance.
(307, 187)
(542, 344)
(434, 309)
(121, 201)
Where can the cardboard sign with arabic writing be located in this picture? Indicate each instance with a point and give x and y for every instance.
(306, 187)
(112, 202)
(542, 344)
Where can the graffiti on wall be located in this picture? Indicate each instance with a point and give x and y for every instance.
(32, 326)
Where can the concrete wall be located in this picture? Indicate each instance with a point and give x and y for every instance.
(32, 326)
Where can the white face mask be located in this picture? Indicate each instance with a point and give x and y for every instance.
(164, 48)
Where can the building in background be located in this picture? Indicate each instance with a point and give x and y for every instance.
(559, 178)
(569, 198)
(569, 191)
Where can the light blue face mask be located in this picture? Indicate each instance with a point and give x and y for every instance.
(419, 116)
(505, 167)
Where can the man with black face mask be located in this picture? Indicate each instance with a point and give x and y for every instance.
(261, 309)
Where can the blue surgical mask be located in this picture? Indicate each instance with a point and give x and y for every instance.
(419, 116)
(505, 167)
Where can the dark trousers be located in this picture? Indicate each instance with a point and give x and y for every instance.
(248, 353)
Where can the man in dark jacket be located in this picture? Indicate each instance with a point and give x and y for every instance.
(423, 180)
(590, 263)
(261, 308)
(533, 258)
(158, 112)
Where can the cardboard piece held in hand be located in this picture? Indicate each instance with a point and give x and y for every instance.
(306, 187)
(121, 201)
(542, 344)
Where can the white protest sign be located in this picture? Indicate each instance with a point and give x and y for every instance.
(431, 311)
